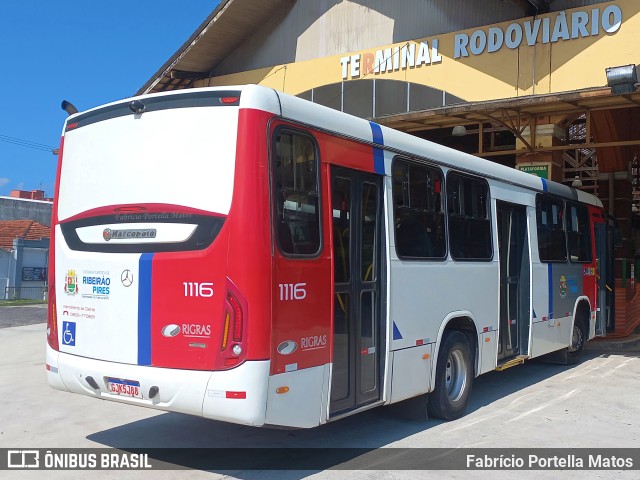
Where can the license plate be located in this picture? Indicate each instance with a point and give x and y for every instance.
(124, 388)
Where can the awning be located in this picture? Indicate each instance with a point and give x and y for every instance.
(234, 21)
(512, 110)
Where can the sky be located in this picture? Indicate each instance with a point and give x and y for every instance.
(87, 52)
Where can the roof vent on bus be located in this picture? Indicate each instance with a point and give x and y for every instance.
(136, 106)
(68, 107)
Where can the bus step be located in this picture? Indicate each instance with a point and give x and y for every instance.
(512, 362)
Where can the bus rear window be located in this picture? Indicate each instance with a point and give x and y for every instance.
(296, 194)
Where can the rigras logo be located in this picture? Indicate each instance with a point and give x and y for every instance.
(287, 347)
(187, 330)
(171, 330)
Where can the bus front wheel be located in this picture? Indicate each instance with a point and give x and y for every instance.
(454, 377)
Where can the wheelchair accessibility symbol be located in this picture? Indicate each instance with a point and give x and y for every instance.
(69, 333)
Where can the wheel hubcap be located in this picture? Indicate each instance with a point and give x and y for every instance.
(455, 375)
(576, 340)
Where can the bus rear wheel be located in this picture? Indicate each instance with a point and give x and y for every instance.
(578, 340)
(454, 377)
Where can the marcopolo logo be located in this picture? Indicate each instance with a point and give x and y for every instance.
(133, 233)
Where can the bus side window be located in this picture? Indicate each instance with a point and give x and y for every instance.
(552, 243)
(418, 211)
(411, 235)
(469, 223)
(296, 193)
(578, 233)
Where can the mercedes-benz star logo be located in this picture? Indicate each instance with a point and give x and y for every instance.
(126, 278)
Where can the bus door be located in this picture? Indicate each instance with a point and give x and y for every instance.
(513, 249)
(357, 317)
(604, 275)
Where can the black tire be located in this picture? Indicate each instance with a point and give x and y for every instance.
(454, 377)
(578, 341)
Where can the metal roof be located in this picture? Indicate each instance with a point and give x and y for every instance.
(233, 20)
(506, 110)
(516, 114)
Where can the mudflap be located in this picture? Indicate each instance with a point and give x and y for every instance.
(559, 357)
(414, 409)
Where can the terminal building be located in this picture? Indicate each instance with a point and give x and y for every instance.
(546, 86)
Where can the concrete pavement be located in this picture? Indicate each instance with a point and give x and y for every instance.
(15, 316)
(592, 405)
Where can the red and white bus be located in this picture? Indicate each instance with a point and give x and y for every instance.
(247, 256)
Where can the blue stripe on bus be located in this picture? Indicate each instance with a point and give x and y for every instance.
(144, 309)
(550, 280)
(119, 381)
(378, 153)
(544, 185)
(396, 332)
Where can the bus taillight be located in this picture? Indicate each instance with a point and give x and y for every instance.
(52, 319)
(237, 317)
(233, 350)
(225, 334)
(52, 323)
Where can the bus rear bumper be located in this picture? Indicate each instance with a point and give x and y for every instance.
(237, 396)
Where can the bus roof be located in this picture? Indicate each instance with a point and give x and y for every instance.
(319, 116)
(343, 124)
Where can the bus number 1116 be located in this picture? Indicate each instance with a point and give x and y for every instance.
(292, 291)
